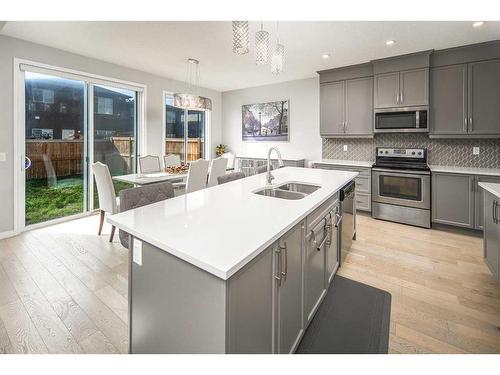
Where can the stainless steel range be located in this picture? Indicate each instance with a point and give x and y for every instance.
(401, 186)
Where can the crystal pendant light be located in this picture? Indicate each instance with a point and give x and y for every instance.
(277, 55)
(241, 37)
(261, 46)
(277, 59)
(192, 101)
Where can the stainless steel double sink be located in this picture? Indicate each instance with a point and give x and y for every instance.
(288, 190)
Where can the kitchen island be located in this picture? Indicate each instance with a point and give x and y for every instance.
(225, 270)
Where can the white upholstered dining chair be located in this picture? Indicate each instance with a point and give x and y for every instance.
(230, 160)
(107, 196)
(217, 168)
(149, 164)
(171, 160)
(197, 175)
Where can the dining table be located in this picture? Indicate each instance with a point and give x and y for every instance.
(139, 179)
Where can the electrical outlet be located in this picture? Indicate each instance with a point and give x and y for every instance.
(345, 147)
(137, 250)
(3, 156)
(475, 150)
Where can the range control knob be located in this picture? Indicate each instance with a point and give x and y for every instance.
(420, 152)
(413, 153)
(387, 152)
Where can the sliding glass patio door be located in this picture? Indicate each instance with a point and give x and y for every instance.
(114, 132)
(70, 123)
(55, 147)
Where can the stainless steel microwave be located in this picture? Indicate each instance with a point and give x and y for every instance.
(402, 120)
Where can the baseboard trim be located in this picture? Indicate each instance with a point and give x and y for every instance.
(7, 234)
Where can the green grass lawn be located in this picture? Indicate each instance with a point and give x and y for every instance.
(47, 203)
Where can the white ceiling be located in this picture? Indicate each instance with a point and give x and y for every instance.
(163, 47)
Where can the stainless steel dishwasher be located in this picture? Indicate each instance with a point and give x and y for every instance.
(347, 221)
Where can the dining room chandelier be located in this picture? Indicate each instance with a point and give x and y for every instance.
(191, 100)
(263, 54)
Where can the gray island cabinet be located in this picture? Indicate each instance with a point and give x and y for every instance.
(228, 270)
(491, 234)
(265, 307)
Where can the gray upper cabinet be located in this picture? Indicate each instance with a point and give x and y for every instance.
(484, 97)
(402, 89)
(359, 106)
(453, 199)
(346, 107)
(491, 235)
(289, 290)
(448, 104)
(386, 90)
(414, 87)
(332, 103)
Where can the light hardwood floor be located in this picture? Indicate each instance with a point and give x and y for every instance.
(63, 289)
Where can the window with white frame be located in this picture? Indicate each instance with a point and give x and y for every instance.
(104, 106)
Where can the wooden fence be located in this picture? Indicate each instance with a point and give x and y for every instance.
(65, 157)
(176, 146)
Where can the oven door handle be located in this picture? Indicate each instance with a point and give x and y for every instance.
(401, 172)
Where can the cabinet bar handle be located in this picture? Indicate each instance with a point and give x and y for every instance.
(285, 255)
(495, 218)
(470, 123)
(397, 97)
(465, 125)
(278, 277)
(401, 98)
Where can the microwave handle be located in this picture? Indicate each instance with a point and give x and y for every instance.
(417, 119)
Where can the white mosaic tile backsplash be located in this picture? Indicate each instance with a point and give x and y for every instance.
(451, 152)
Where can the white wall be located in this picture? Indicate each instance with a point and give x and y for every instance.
(11, 48)
(303, 94)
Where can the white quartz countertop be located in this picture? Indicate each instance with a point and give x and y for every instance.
(222, 228)
(491, 187)
(466, 170)
(350, 163)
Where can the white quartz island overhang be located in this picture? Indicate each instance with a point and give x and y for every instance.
(222, 228)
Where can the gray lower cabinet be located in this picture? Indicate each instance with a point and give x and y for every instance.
(314, 267)
(448, 94)
(479, 199)
(363, 183)
(263, 308)
(484, 97)
(458, 200)
(453, 199)
(288, 281)
(346, 108)
(331, 245)
(492, 234)
(250, 319)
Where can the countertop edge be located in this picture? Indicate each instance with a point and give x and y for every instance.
(488, 187)
(220, 273)
(465, 170)
(347, 163)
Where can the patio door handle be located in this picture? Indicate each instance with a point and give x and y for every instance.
(26, 163)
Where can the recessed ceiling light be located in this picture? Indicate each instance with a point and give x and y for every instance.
(326, 55)
(390, 42)
(478, 24)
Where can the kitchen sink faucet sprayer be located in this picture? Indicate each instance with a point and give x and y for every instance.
(269, 176)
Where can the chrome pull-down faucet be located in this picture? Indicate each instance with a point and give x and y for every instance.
(269, 176)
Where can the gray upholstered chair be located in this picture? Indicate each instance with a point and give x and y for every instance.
(230, 177)
(262, 169)
(142, 196)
